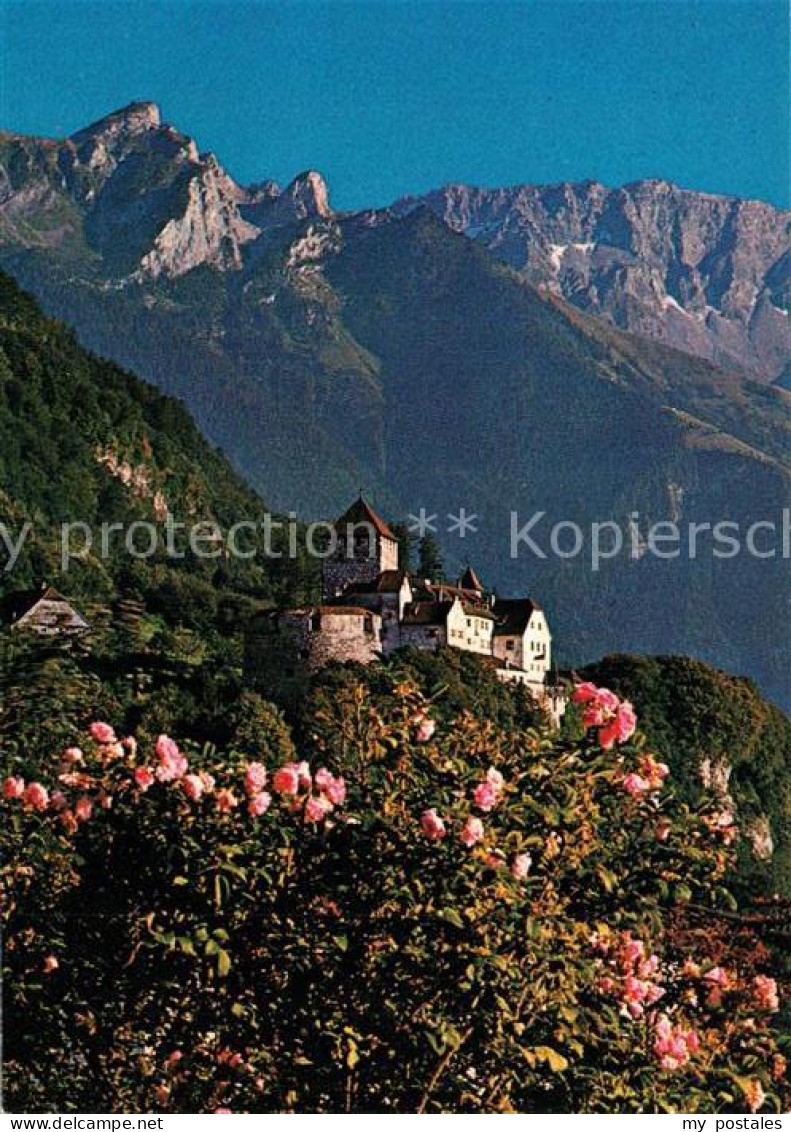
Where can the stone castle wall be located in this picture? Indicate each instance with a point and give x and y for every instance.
(283, 649)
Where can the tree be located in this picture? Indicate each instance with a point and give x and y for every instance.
(406, 544)
(431, 564)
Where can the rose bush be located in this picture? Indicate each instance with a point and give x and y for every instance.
(405, 917)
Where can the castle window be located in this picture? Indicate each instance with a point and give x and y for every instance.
(368, 623)
(315, 622)
(509, 645)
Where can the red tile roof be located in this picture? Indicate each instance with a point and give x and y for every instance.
(362, 512)
(470, 581)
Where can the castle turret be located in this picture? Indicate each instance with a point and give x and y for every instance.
(470, 581)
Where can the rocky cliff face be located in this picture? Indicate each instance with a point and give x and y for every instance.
(707, 274)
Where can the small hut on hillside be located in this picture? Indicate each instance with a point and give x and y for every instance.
(44, 611)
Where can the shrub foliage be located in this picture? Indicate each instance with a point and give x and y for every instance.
(415, 913)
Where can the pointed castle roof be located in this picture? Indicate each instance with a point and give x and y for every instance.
(470, 581)
(362, 512)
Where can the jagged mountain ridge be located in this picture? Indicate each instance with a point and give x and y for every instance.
(708, 274)
(384, 349)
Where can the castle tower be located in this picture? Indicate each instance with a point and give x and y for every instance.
(365, 548)
(470, 581)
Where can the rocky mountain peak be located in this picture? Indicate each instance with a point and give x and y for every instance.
(310, 196)
(304, 198)
(136, 118)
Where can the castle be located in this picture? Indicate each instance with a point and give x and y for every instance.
(371, 607)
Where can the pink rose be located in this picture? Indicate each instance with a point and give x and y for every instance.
(615, 718)
(472, 832)
(594, 716)
(13, 787)
(73, 756)
(102, 732)
(673, 1045)
(259, 804)
(433, 825)
(50, 964)
(316, 809)
(765, 993)
(144, 777)
(192, 785)
(633, 950)
(336, 791)
(286, 779)
(520, 866)
(83, 808)
(607, 700)
(584, 693)
(334, 788)
(166, 748)
(625, 721)
(255, 778)
(608, 734)
(36, 796)
(485, 796)
(172, 764)
(635, 785)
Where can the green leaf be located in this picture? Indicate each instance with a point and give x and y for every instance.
(451, 916)
(682, 893)
(556, 1061)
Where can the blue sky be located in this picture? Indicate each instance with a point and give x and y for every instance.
(388, 97)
